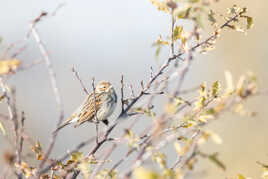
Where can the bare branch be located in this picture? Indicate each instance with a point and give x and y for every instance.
(28, 66)
(95, 110)
(122, 93)
(11, 105)
(173, 21)
(54, 85)
(79, 79)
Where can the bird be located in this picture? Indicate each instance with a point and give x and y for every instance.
(104, 102)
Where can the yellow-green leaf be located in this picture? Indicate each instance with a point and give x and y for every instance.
(211, 17)
(240, 176)
(178, 32)
(214, 158)
(178, 148)
(161, 6)
(159, 158)
(215, 88)
(194, 1)
(250, 22)
(76, 156)
(9, 66)
(142, 173)
(85, 168)
(2, 129)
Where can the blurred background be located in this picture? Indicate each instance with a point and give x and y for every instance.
(107, 39)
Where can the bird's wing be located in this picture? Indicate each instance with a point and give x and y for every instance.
(87, 110)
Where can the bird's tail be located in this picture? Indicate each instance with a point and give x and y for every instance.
(62, 126)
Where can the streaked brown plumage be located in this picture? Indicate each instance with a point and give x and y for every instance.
(106, 100)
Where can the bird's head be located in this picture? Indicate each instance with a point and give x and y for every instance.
(104, 86)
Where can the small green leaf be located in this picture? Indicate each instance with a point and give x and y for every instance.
(157, 52)
(76, 156)
(143, 173)
(85, 168)
(160, 158)
(194, 1)
(184, 14)
(214, 158)
(215, 88)
(240, 176)
(249, 22)
(211, 17)
(178, 32)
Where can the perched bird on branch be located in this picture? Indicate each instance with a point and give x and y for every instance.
(102, 103)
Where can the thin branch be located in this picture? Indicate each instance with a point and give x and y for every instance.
(68, 154)
(131, 90)
(79, 79)
(184, 70)
(28, 66)
(146, 88)
(9, 47)
(95, 109)
(60, 6)
(11, 106)
(173, 21)
(19, 51)
(186, 91)
(192, 154)
(21, 140)
(122, 93)
(54, 85)
(104, 158)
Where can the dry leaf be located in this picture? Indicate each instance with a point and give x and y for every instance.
(9, 66)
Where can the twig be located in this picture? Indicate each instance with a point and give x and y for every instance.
(191, 155)
(95, 110)
(60, 6)
(141, 157)
(10, 46)
(21, 140)
(11, 105)
(122, 93)
(146, 137)
(173, 21)
(79, 79)
(28, 66)
(151, 73)
(19, 51)
(54, 85)
(184, 70)
(154, 93)
(131, 90)
(104, 158)
(65, 156)
(186, 91)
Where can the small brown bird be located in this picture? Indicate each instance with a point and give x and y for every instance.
(106, 100)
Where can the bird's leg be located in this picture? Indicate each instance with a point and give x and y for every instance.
(106, 122)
